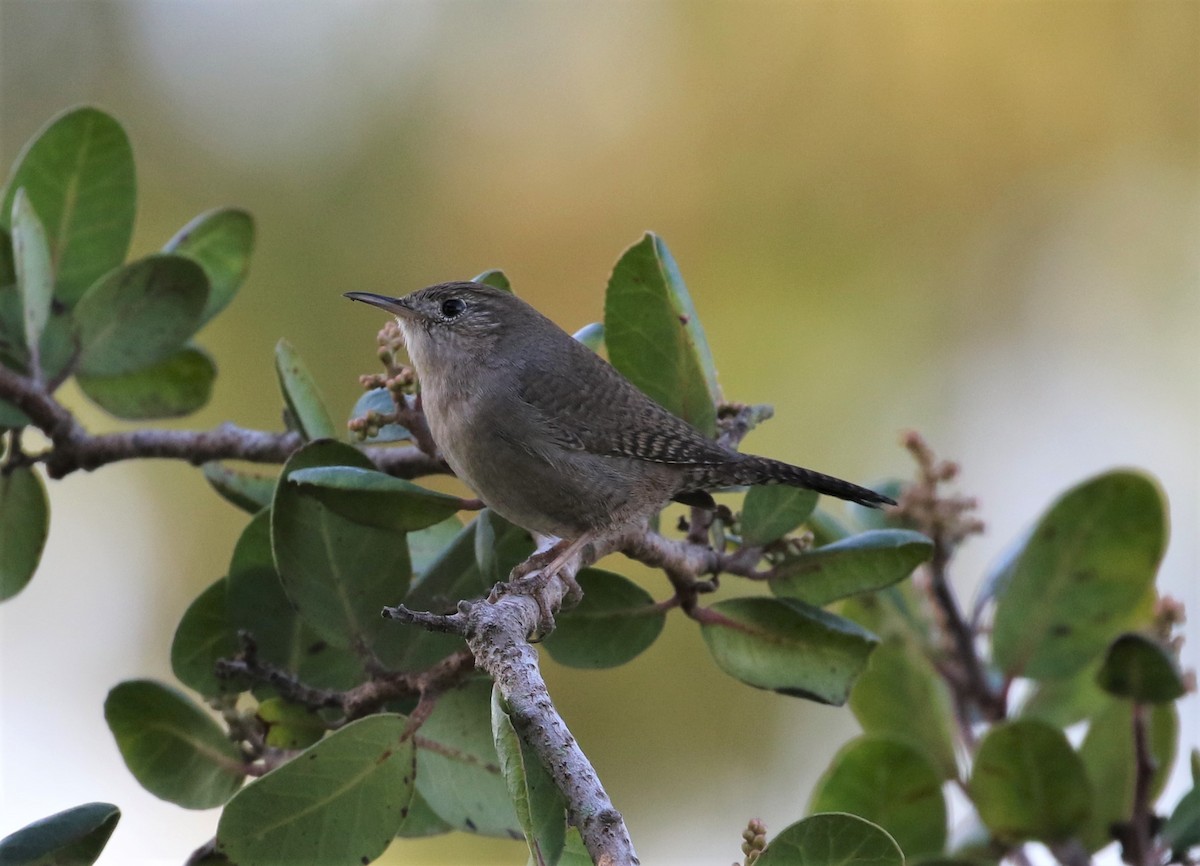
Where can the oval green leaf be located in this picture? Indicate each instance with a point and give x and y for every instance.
(425, 546)
(379, 400)
(495, 278)
(591, 336)
(249, 491)
(539, 805)
(1028, 783)
(1140, 668)
(304, 401)
(73, 837)
(1078, 581)
(257, 604)
(220, 241)
(865, 562)
(1181, 831)
(289, 726)
(374, 498)
(34, 273)
(789, 647)
(832, 839)
(203, 636)
(890, 784)
(24, 525)
(337, 804)
(172, 747)
(78, 173)
(139, 315)
(178, 385)
(901, 696)
(654, 336)
(421, 821)
(614, 623)
(1062, 703)
(458, 772)
(488, 542)
(770, 512)
(1108, 757)
(338, 573)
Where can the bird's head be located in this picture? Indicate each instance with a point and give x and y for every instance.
(451, 323)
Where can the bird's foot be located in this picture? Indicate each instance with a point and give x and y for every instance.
(533, 576)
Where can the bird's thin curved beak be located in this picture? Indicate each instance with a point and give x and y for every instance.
(396, 306)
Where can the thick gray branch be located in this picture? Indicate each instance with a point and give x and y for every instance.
(498, 632)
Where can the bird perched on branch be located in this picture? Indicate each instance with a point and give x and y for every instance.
(549, 434)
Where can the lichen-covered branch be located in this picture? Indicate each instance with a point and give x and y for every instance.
(497, 633)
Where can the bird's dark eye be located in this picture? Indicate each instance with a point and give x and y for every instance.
(452, 307)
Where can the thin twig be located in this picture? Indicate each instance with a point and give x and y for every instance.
(354, 703)
(73, 448)
(1138, 840)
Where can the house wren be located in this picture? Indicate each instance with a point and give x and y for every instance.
(549, 434)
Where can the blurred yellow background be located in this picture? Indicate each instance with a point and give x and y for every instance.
(979, 220)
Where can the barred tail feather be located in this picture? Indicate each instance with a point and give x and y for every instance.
(763, 470)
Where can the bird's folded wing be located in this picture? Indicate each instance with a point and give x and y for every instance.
(602, 412)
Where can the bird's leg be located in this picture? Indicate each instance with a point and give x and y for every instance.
(531, 576)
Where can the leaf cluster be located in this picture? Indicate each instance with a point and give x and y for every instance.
(354, 731)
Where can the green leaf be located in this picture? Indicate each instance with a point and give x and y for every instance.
(172, 747)
(24, 525)
(425, 546)
(575, 853)
(456, 573)
(338, 573)
(832, 839)
(865, 562)
(901, 696)
(1141, 669)
(339, 802)
(1062, 703)
(826, 528)
(139, 315)
(494, 278)
(34, 272)
(289, 726)
(654, 336)
(890, 784)
(249, 491)
(421, 821)
(458, 772)
(1182, 830)
(220, 241)
(1079, 579)
(374, 498)
(301, 394)
(73, 837)
(178, 385)
(591, 336)
(380, 400)
(257, 604)
(789, 647)
(1108, 757)
(772, 511)
(11, 417)
(1029, 784)
(78, 173)
(202, 637)
(539, 805)
(614, 623)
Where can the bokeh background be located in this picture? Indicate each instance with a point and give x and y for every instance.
(981, 221)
